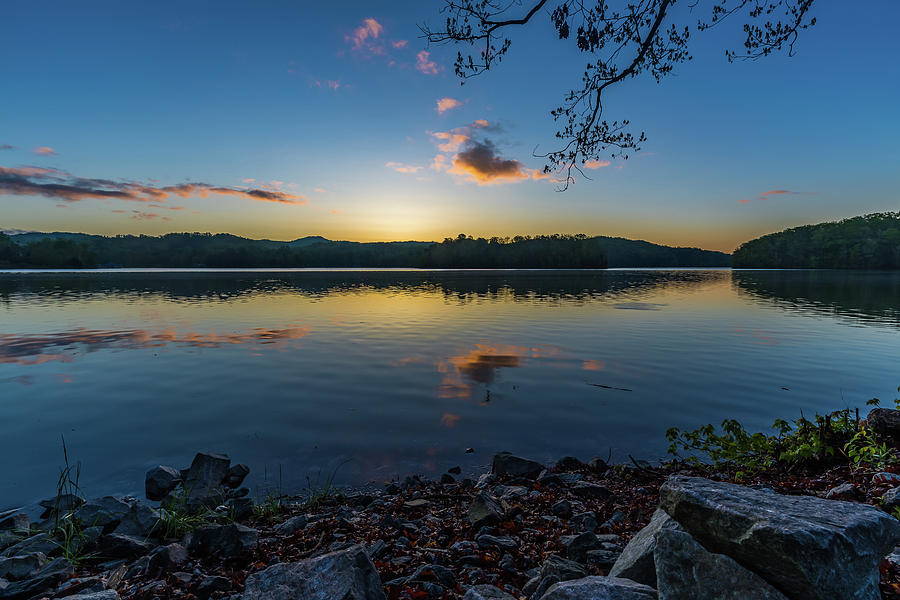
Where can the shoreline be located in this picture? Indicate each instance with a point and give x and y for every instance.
(420, 534)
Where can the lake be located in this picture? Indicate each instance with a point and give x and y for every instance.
(373, 375)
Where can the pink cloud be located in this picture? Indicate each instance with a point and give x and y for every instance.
(445, 104)
(399, 44)
(45, 151)
(767, 195)
(424, 64)
(369, 30)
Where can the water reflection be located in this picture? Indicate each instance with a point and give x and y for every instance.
(67, 345)
(871, 297)
(481, 365)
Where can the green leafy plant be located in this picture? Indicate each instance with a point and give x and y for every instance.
(176, 518)
(270, 504)
(800, 441)
(67, 531)
(863, 449)
(320, 490)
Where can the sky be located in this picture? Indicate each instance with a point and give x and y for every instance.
(285, 119)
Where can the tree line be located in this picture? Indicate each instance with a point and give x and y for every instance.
(866, 242)
(179, 250)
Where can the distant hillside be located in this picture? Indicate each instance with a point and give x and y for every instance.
(866, 242)
(225, 250)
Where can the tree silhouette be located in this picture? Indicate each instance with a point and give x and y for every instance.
(624, 41)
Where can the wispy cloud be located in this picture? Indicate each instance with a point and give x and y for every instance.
(402, 168)
(454, 139)
(596, 164)
(424, 64)
(7, 147)
(44, 151)
(332, 84)
(53, 183)
(770, 193)
(445, 104)
(399, 44)
(363, 36)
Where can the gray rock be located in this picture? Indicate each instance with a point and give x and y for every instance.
(41, 542)
(885, 423)
(809, 548)
(106, 512)
(586, 489)
(203, 481)
(8, 538)
(15, 521)
(562, 568)
(241, 508)
(845, 491)
(236, 475)
(581, 544)
(160, 481)
(485, 480)
(563, 509)
(213, 583)
(437, 573)
(63, 503)
(502, 542)
(344, 575)
(597, 464)
(168, 557)
(23, 566)
(891, 499)
(45, 580)
(686, 570)
(586, 521)
(103, 595)
(486, 592)
(604, 558)
(225, 540)
(140, 521)
(484, 510)
(119, 545)
(600, 588)
(292, 525)
(636, 562)
(506, 464)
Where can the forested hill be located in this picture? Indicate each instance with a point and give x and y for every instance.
(867, 242)
(75, 250)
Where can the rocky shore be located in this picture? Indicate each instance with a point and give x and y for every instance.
(570, 531)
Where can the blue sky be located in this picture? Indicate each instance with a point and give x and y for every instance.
(332, 111)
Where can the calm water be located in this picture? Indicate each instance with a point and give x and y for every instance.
(387, 373)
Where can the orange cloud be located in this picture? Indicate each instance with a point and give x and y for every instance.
(370, 29)
(45, 151)
(424, 64)
(766, 195)
(53, 183)
(439, 163)
(445, 104)
(480, 164)
(480, 366)
(401, 168)
(596, 164)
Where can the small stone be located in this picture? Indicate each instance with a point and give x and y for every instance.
(490, 541)
(15, 521)
(585, 489)
(484, 511)
(845, 491)
(455, 470)
(891, 499)
(885, 478)
(98, 595)
(118, 545)
(447, 479)
(563, 509)
(106, 512)
(597, 464)
(586, 521)
(213, 583)
(579, 546)
(225, 540)
(63, 503)
(292, 525)
(568, 463)
(23, 566)
(241, 508)
(417, 503)
(235, 475)
(486, 592)
(168, 557)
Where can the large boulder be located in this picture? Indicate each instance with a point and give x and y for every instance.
(106, 512)
(807, 547)
(119, 545)
(344, 575)
(506, 464)
(229, 540)
(686, 571)
(636, 562)
(141, 521)
(203, 481)
(160, 481)
(600, 588)
(885, 423)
